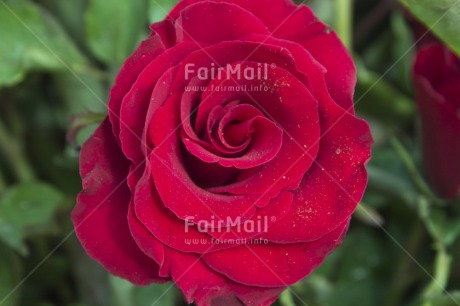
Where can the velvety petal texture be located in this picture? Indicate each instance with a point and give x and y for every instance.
(437, 84)
(231, 159)
(100, 216)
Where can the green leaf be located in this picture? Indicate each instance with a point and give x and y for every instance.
(325, 10)
(81, 93)
(358, 275)
(402, 52)
(32, 40)
(351, 275)
(114, 28)
(158, 9)
(85, 104)
(126, 294)
(10, 272)
(164, 294)
(27, 209)
(286, 298)
(80, 122)
(440, 16)
(71, 15)
(380, 98)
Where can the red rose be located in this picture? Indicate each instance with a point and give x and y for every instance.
(437, 88)
(232, 185)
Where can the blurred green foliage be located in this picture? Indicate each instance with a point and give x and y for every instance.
(33, 39)
(58, 60)
(441, 16)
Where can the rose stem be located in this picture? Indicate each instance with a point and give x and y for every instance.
(14, 154)
(2, 183)
(411, 168)
(344, 11)
(402, 279)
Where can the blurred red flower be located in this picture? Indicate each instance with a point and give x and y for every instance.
(437, 87)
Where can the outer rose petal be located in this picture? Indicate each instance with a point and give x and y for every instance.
(274, 265)
(302, 26)
(307, 62)
(212, 22)
(201, 284)
(147, 242)
(332, 188)
(100, 215)
(327, 49)
(435, 74)
(148, 50)
(277, 209)
(271, 12)
(325, 46)
(298, 23)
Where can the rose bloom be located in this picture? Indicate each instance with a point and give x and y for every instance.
(231, 160)
(437, 88)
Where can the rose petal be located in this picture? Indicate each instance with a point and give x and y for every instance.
(173, 182)
(100, 214)
(164, 225)
(147, 242)
(167, 32)
(332, 188)
(211, 22)
(239, 140)
(137, 101)
(258, 225)
(274, 265)
(328, 50)
(304, 27)
(300, 129)
(298, 23)
(147, 51)
(230, 52)
(266, 141)
(201, 284)
(271, 12)
(309, 65)
(190, 101)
